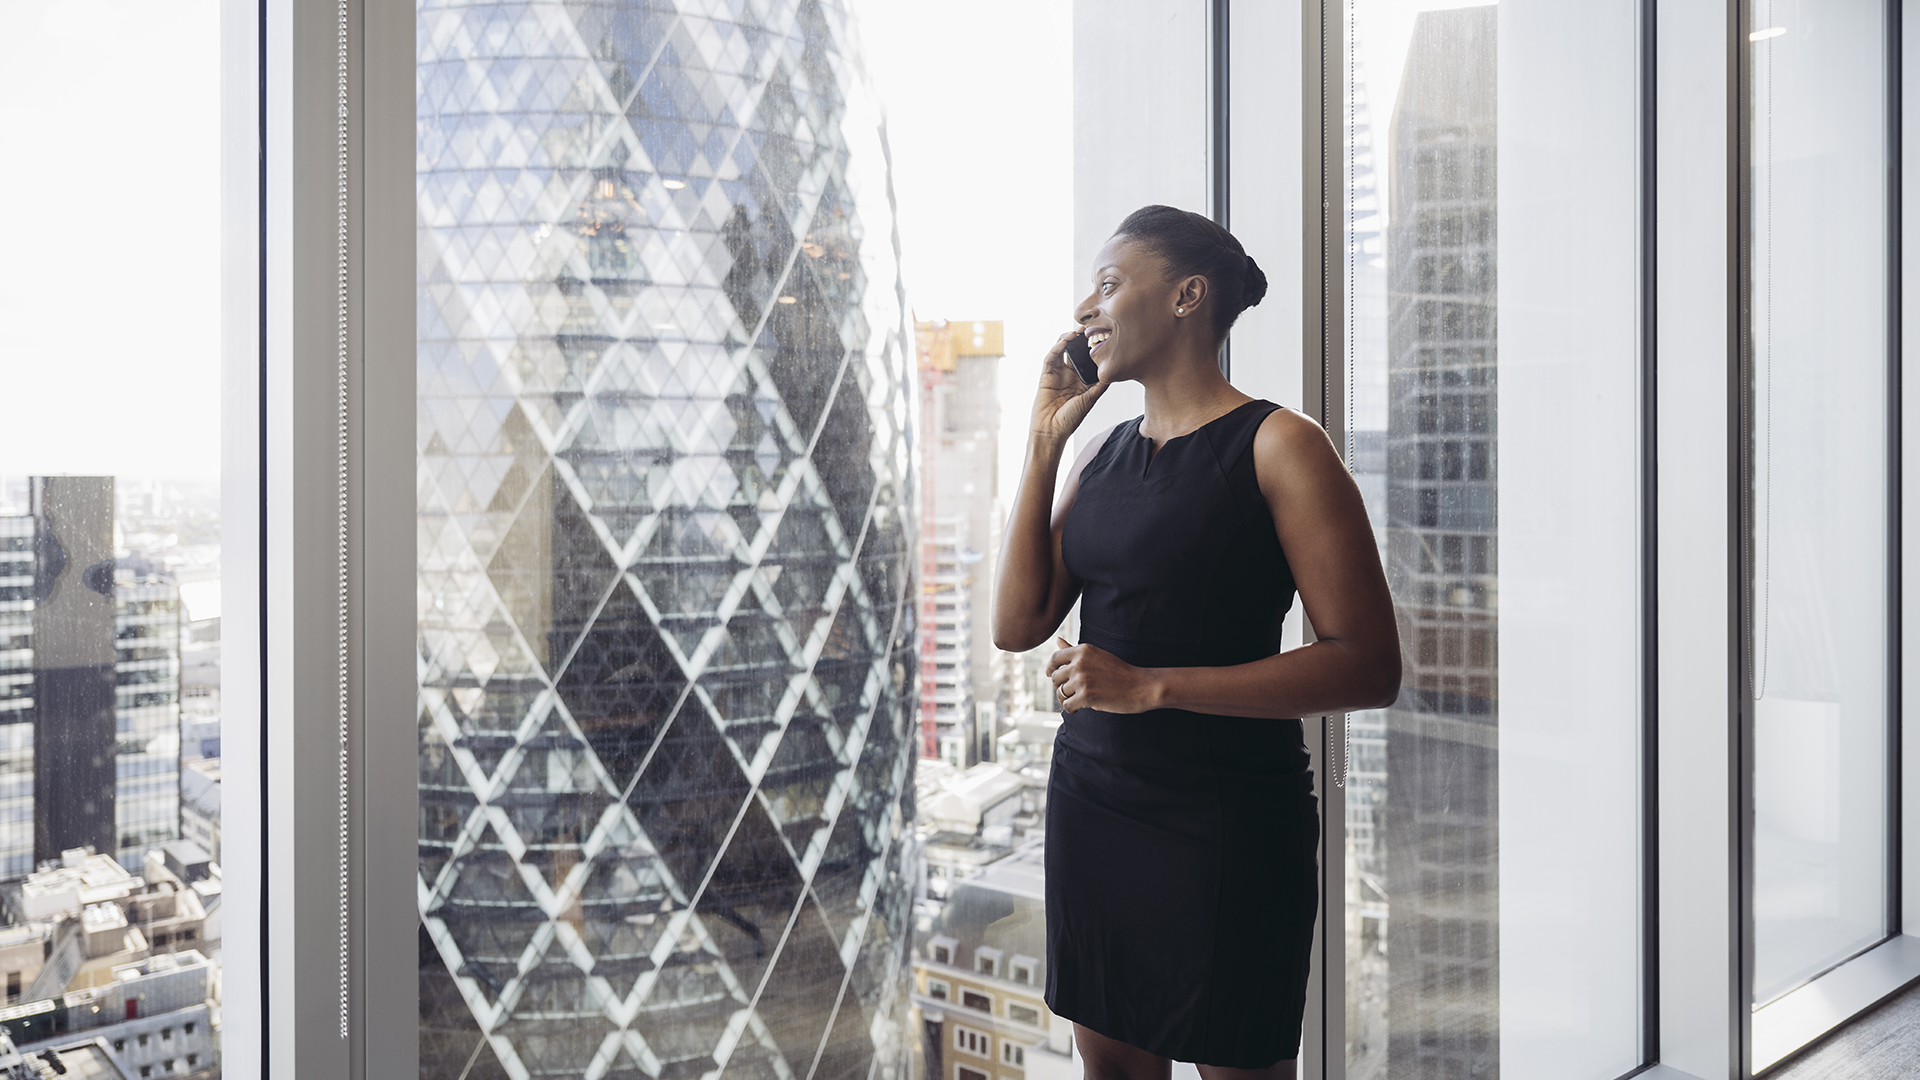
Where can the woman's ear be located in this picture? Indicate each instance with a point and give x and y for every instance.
(1190, 295)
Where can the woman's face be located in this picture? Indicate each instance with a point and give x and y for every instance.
(1129, 317)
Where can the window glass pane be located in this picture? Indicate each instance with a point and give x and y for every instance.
(110, 497)
(1818, 257)
(668, 701)
(1493, 866)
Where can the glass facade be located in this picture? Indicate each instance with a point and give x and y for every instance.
(146, 712)
(1819, 502)
(668, 667)
(16, 695)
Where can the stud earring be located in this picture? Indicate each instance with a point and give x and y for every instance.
(1179, 311)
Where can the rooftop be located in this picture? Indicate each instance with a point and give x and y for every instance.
(75, 1061)
(955, 802)
(1023, 873)
(82, 878)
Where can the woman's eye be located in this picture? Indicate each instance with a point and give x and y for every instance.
(1106, 288)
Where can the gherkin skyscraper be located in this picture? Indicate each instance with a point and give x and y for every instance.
(666, 640)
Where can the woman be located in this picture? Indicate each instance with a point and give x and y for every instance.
(1181, 821)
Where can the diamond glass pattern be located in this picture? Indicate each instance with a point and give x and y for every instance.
(664, 537)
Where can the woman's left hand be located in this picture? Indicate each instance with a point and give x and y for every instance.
(1089, 677)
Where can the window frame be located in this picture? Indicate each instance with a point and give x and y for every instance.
(961, 1031)
(286, 65)
(991, 958)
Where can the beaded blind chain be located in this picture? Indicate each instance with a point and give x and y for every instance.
(340, 297)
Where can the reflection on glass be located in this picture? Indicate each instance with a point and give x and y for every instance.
(1491, 813)
(1819, 476)
(667, 715)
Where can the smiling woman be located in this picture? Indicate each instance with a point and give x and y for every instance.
(1181, 811)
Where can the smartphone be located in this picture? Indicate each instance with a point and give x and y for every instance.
(1080, 355)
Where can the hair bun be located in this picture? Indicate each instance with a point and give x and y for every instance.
(1256, 283)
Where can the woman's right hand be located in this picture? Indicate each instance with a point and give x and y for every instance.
(1062, 401)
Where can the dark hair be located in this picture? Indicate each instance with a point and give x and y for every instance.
(1191, 243)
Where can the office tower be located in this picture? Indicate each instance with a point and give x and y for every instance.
(16, 691)
(90, 690)
(74, 690)
(960, 416)
(146, 674)
(1439, 820)
(667, 544)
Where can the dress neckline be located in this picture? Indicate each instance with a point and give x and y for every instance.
(1154, 451)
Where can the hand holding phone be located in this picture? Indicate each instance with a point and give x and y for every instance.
(1080, 355)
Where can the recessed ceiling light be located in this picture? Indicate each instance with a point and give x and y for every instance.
(1769, 32)
(789, 299)
(673, 185)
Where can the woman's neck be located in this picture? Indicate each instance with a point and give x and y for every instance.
(1186, 395)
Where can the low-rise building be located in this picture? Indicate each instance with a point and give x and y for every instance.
(969, 818)
(1026, 746)
(979, 976)
(85, 1060)
(75, 922)
(152, 1018)
(81, 878)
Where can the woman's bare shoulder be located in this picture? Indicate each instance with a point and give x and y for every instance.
(1290, 448)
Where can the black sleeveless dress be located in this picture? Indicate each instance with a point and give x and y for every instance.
(1181, 869)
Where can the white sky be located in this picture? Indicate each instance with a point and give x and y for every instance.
(109, 284)
(979, 104)
(109, 292)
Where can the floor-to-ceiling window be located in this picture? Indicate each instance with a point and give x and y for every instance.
(1492, 349)
(111, 487)
(1819, 509)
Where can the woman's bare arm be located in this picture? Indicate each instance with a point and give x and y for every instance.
(1354, 663)
(1034, 591)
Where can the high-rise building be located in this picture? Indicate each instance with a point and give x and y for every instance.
(73, 665)
(1438, 821)
(960, 415)
(667, 547)
(16, 690)
(89, 684)
(146, 673)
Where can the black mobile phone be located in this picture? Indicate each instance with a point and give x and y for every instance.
(1080, 355)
